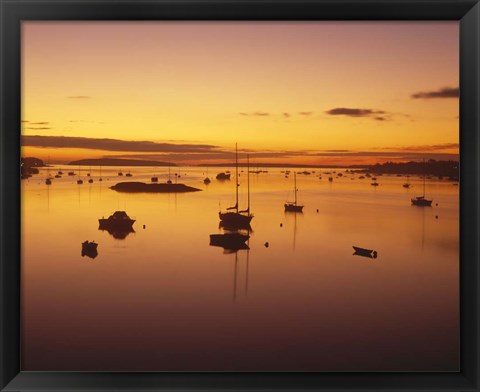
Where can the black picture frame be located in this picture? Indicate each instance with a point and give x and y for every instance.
(15, 11)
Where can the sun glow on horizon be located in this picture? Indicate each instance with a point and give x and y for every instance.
(316, 93)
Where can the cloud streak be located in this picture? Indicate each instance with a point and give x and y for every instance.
(112, 144)
(446, 92)
(195, 153)
(433, 147)
(79, 97)
(378, 115)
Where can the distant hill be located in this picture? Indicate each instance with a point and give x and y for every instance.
(32, 162)
(118, 162)
(280, 165)
(431, 167)
(28, 166)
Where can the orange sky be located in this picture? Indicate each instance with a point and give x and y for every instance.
(293, 92)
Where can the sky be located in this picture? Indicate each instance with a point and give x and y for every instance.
(319, 93)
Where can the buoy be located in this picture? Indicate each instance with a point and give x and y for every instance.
(281, 224)
(436, 216)
(317, 209)
(144, 226)
(266, 244)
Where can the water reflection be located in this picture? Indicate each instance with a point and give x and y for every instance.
(305, 284)
(118, 234)
(228, 227)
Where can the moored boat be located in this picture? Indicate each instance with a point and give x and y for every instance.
(420, 201)
(364, 252)
(234, 217)
(223, 176)
(229, 240)
(293, 206)
(118, 220)
(89, 249)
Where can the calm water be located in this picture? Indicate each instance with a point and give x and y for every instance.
(163, 299)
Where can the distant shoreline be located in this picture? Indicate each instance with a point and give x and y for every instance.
(117, 162)
(448, 169)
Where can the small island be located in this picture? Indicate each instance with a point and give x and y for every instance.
(141, 187)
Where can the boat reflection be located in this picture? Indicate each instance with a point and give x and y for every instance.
(228, 227)
(117, 233)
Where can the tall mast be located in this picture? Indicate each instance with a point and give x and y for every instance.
(248, 184)
(424, 170)
(295, 185)
(236, 178)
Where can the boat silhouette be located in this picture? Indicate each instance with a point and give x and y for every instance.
(364, 252)
(234, 217)
(230, 241)
(119, 221)
(223, 176)
(207, 180)
(89, 249)
(293, 206)
(420, 201)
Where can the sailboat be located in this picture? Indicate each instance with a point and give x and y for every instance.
(79, 180)
(237, 218)
(420, 201)
(206, 180)
(48, 181)
(406, 184)
(293, 206)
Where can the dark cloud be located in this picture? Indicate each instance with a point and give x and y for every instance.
(24, 121)
(433, 147)
(79, 97)
(378, 115)
(305, 113)
(337, 150)
(446, 92)
(286, 115)
(40, 123)
(38, 128)
(220, 155)
(391, 155)
(112, 144)
(243, 114)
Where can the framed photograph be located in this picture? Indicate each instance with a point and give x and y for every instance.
(239, 195)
